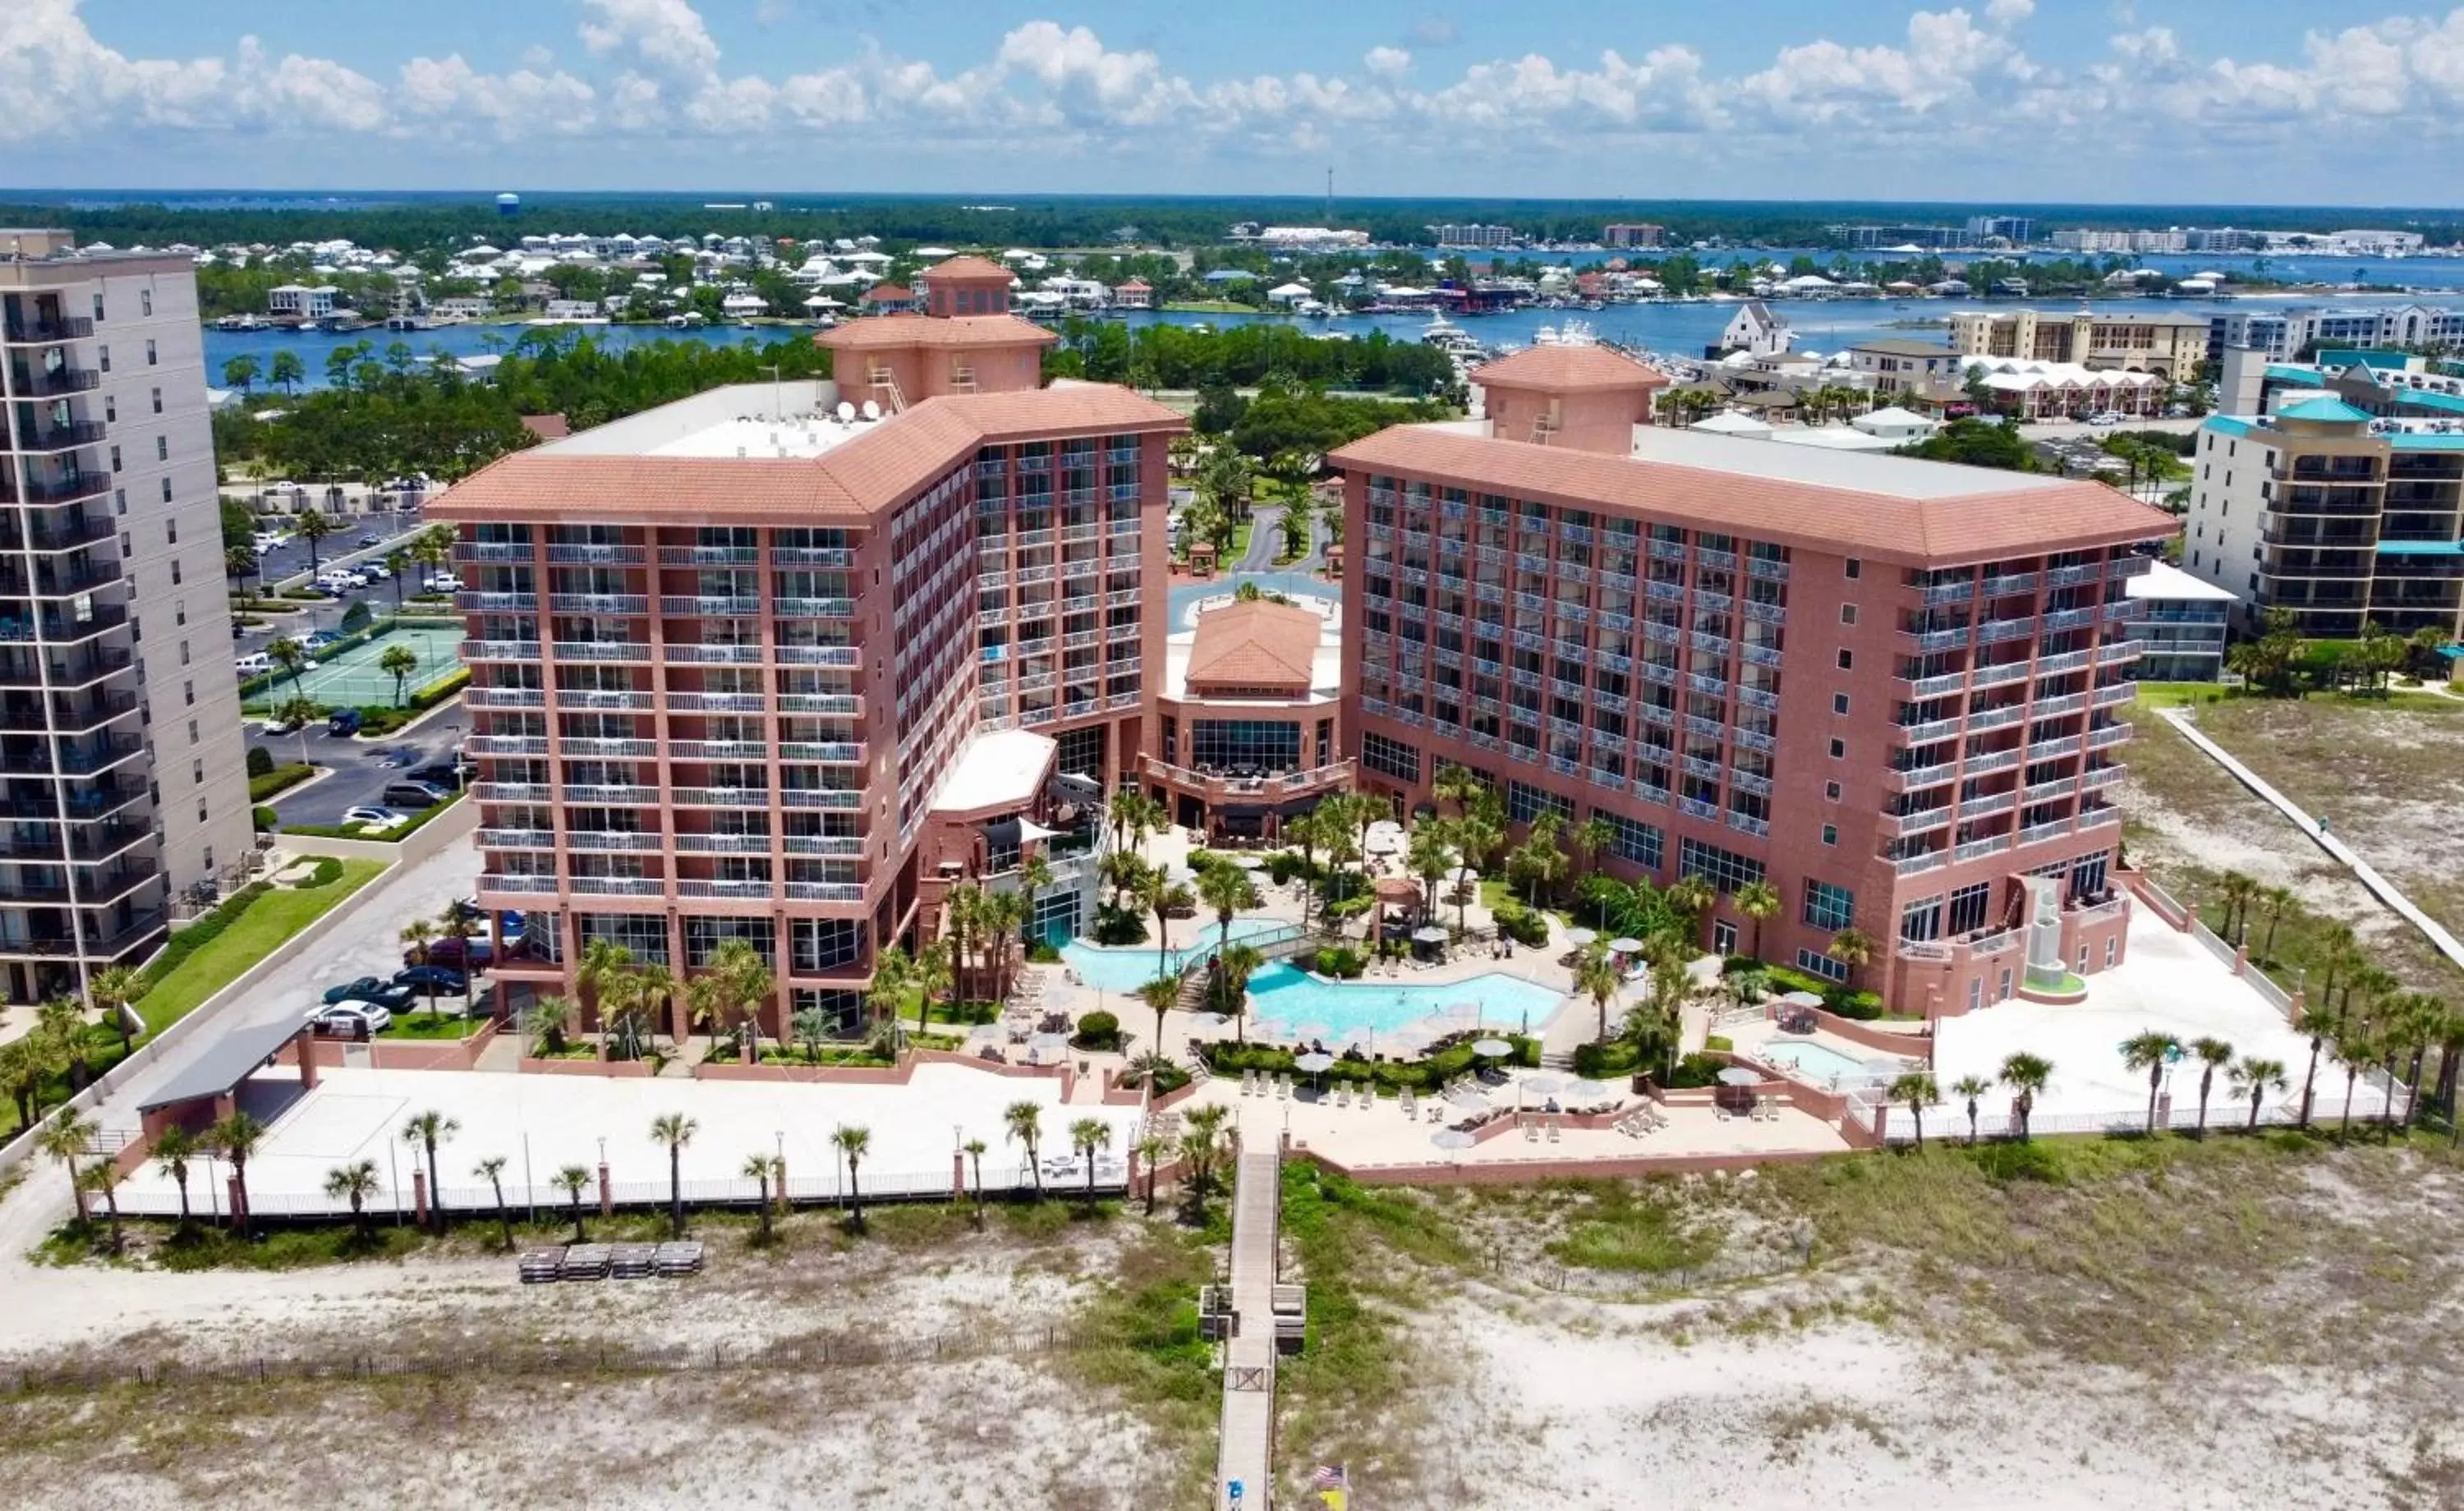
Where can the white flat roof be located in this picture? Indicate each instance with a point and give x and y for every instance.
(797, 420)
(1821, 467)
(2162, 582)
(1004, 769)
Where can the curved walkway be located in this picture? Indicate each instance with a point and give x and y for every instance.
(2367, 874)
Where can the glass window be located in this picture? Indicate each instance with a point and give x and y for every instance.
(1390, 757)
(646, 934)
(1637, 841)
(1921, 920)
(1725, 869)
(1815, 962)
(825, 944)
(1968, 907)
(704, 936)
(1525, 803)
(1827, 907)
(1271, 745)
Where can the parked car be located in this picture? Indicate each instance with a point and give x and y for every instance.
(2104, 417)
(371, 989)
(342, 721)
(370, 541)
(434, 981)
(255, 664)
(443, 582)
(447, 778)
(272, 726)
(374, 570)
(412, 795)
(353, 1021)
(385, 818)
(462, 954)
(320, 639)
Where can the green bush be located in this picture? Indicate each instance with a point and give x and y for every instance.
(1852, 1005)
(1344, 909)
(1615, 1060)
(260, 760)
(1521, 924)
(1042, 952)
(264, 785)
(324, 871)
(1119, 926)
(1388, 1076)
(1341, 961)
(1098, 1030)
(356, 615)
(1718, 1043)
(263, 817)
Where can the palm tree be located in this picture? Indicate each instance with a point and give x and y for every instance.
(962, 915)
(110, 990)
(312, 526)
(1592, 838)
(2151, 1051)
(1757, 900)
(173, 1148)
(2277, 899)
(398, 662)
(2026, 1075)
(1234, 969)
(1003, 922)
(892, 974)
(453, 923)
(491, 1169)
(1852, 948)
(1537, 858)
(417, 936)
(1034, 880)
(1025, 1121)
(66, 1138)
(299, 713)
(745, 978)
(2215, 1054)
(1456, 784)
(1691, 898)
(853, 1143)
(1160, 995)
(2238, 888)
(571, 1180)
(765, 1167)
(1968, 1089)
(1159, 895)
(355, 1183)
(235, 1138)
(2252, 1077)
(2317, 1024)
(1429, 856)
(1150, 1151)
(1087, 1135)
(675, 1130)
(546, 1021)
(974, 1150)
(1917, 1089)
(104, 1177)
(427, 1130)
(291, 656)
(707, 999)
(1596, 976)
(397, 562)
(2355, 1048)
(1202, 1134)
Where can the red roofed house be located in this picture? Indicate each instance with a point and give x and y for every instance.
(1887, 687)
(1246, 720)
(1135, 294)
(742, 669)
(889, 298)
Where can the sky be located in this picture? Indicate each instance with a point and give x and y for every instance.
(2167, 101)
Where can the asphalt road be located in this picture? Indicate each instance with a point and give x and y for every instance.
(361, 768)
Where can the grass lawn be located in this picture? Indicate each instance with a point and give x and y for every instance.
(290, 773)
(268, 922)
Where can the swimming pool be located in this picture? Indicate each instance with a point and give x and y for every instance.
(1818, 1061)
(1133, 966)
(1295, 1000)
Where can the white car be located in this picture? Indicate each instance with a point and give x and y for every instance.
(2104, 417)
(353, 1019)
(381, 818)
(373, 571)
(443, 582)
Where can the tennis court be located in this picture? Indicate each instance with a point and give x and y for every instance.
(351, 678)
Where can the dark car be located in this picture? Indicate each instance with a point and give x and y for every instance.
(435, 980)
(475, 954)
(368, 989)
(344, 721)
(370, 541)
(447, 777)
(412, 795)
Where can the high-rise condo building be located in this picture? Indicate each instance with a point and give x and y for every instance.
(1886, 687)
(120, 750)
(778, 663)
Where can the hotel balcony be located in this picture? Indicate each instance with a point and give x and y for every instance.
(1217, 787)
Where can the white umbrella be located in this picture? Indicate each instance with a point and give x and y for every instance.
(1431, 934)
(1311, 1031)
(1491, 1047)
(1625, 946)
(1579, 937)
(1739, 1076)
(1250, 861)
(1210, 1020)
(1542, 1085)
(1452, 1139)
(1313, 1063)
(1589, 1090)
(1463, 876)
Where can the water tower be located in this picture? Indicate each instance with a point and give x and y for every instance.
(509, 205)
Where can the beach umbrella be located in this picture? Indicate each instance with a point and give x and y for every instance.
(1313, 1063)
(1250, 861)
(1491, 1047)
(1452, 1139)
(1542, 1085)
(1210, 1019)
(1579, 937)
(1048, 1043)
(1431, 934)
(1585, 1090)
(1739, 1076)
(1626, 946)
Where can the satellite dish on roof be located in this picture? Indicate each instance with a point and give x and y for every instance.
(872, 409)
(846, 412)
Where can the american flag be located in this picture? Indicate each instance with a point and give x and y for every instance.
(1327, 1476)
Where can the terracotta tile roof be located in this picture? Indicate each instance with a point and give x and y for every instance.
(548, 427)
(876, 331)
(1940, 524)
(968, 268)
(1254, 645)
(873, 471)
(888, 294)
(1551, 367)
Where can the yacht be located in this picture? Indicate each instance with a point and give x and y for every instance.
(1447, 337)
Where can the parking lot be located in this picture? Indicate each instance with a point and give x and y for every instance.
(291, 559)
(361, 768)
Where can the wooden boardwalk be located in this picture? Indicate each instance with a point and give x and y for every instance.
(1245, 1453)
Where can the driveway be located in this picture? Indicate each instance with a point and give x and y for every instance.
(361, 768)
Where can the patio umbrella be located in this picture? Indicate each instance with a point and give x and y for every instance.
(1452, 1139)
(985, 1033)
(1431, 934)
(1048, 1043)
(1313, 1063)
(1583, 1090)
(1491, 1047)
(1542, 1085)
(1579, 937)
(1250, 861)
(1739, 1076)
(1626, 946)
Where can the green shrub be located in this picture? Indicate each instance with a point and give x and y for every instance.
(1852, 1005)
(1388, 1076)
(1718, 1043)
(1615, 1060)
(1697, 1071)
(1119, 926)
(264, 819)
(264, 785)
(356, 615)
(324, 871)
(1341, 961)
(1346, 909)
(1521, 924)
(260, 760)
(1098, 1030)
(1042, 952)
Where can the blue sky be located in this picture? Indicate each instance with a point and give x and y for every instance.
(2168, 100)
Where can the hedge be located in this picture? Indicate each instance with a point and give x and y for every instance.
(266, 784)
(1341, 961)
(1521, 924)
(1837, 998)
(1388, 1076)
(199, 934)
(382, 720)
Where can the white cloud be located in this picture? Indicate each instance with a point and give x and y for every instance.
(1955, 78)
